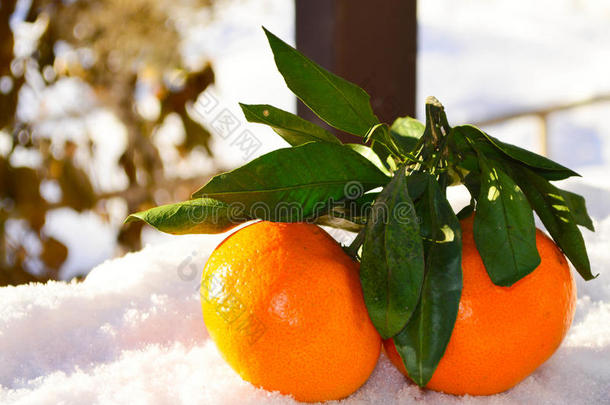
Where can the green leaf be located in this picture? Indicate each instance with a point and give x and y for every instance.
(392, 267)
(202, 215)
(463, 153)
(380, 134)
(370, 154)
(340, 103)
(548, 167)
(406, 131)
(417, 184)
(294, 184)
(294, 129)
(578, 208)
(541, 165)
(384, 154)
(556, 215)
(422, 343)
(504, 228)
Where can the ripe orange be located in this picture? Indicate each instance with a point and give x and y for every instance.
(502, 334)
(284, 305)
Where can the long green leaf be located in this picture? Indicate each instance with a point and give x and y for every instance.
(548, 167)
(423, 341)
(504, 228)
(297, 183)
(201, 215)
(392, 268)
(550, 205)
(487, 144)
(294, 129)
(340, 103)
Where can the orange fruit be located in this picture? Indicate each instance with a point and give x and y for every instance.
(502, 334)
(284, 305)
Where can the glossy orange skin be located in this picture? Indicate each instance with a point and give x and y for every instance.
(284, 305)
(502, 334)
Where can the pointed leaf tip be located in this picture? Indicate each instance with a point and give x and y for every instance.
(202, 215)
(132, 218)
(342, 104)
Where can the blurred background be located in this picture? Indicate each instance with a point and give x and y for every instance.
(113, 106)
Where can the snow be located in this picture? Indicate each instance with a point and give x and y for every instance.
(485, 58)
(482, 57)
(132, 331)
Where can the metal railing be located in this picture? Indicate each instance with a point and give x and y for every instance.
(542, 114)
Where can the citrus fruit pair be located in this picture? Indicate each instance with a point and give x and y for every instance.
(284, 305)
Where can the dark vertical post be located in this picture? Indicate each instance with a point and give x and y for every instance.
(371, 43)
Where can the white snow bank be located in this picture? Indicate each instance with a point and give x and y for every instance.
(132, 333)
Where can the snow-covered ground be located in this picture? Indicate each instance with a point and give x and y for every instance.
(132, 332)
